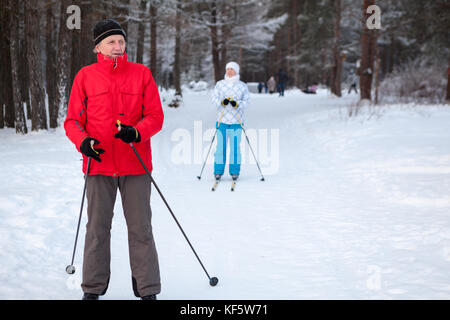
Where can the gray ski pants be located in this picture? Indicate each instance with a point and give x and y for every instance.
(101, 196)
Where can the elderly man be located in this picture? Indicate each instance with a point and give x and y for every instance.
(102, 93)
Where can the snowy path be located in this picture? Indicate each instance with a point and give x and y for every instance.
(350, 209)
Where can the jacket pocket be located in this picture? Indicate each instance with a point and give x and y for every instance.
(131, 106)
(98, 102)
(96, 95)
(96, 91)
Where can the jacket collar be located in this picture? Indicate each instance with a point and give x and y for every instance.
(232, 79)
(111, 64)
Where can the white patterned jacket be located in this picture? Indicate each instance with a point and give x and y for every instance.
(238, 91)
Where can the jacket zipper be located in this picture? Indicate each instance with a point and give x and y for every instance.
(114, 113)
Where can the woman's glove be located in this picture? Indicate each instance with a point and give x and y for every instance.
(225, 101)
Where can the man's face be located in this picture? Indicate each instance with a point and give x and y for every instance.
(230, 72)
(112, 46)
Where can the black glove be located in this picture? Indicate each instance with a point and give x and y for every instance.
(234, 104)
(128, 134)
(225, 101)
(88, 150)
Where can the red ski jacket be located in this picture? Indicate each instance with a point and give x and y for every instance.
(102, 93)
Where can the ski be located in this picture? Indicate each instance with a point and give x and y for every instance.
(233, 184)
(217, 176)
(216, 183)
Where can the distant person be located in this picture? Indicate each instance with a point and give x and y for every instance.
(282, 79)
(353, 83)
(271, 85)
(231, 97)
(260, 86)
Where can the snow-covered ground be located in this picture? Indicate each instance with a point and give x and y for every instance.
(352, 208)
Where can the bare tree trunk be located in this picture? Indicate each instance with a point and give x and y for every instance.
(324, 70)
(141, 32)
(296, 41)
(448, 83)
(226, 33)
(367, 53)
(6, 67)
(88, 20)
(62, 61)
(120, 11)
(288, 54)
(215, 42)
(337, 67)
(108, 8)
(9, 101)
(3, 70)
(377, 67)
(76, 54)
(21, 125)
(38, 118)
(51, 65)
(153, 21)
(278, 55)
(240, 53)
(176, 66)
(24, 74)
(2, 104)
(391, 54)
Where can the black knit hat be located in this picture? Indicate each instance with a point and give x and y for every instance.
(106, 28)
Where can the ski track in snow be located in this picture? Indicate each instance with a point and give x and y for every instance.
(358, 208)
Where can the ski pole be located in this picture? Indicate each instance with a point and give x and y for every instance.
(70, 269)
(248, 141)
(212, 141)
(212, 280)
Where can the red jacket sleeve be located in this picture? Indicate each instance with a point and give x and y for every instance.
(75, 123)
(153, 116)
